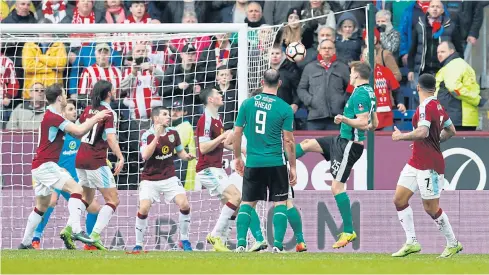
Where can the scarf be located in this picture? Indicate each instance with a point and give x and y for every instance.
(79, 19)
(54, 12)
(423, 5)
(115, 11)
(144, 20)
(325, 64)
(436, 27)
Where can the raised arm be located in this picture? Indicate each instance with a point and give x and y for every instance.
(79, 130)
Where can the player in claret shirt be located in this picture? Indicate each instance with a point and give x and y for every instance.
(425, 169)
(159, 176)
(91, 166)
(47, 175)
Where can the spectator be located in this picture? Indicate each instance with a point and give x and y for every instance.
(235, 13)
(390, 38)
(199, 42)
(221, 52)
(457, 89)
(348, 38)
(254, 15)
(397, 9)
(182, 81)
(54, 10)
(382, 56)
(292, 32)
(289, 75)
(322, 88)
(115, 12)
(43, 62)
(4, 10)
(83, 13)
(338, 6)
(28, 116)
(156, 9)
(101, 70)
(431, 29)
(409, 21)
(8, 81)
(86, 58)
(227, 87)
(175, 9)
(312, 52)
(275, 12)
(179, 121)
(468, 15)
(21, 14)
(317, 8)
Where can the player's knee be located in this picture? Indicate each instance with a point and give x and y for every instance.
(185, 206)
(53, 203)
(431, 207)
(305, 144)
(337, 187)
(73, 188)
(144, 208)
(399, 201)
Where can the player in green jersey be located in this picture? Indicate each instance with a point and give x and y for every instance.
(267, 122)
(344, 150)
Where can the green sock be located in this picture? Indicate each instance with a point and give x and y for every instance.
(295, 221)
(343, 202)
(279, 225)
(298, 151)
(243, 222)
(255, 227)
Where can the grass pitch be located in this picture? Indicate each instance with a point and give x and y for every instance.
(117, 262)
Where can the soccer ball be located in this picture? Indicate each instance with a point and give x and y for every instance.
(295, 52)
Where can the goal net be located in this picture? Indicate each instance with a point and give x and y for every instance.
(149, 66)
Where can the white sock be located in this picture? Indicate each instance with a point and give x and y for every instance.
(222, 222)
(407, 222)
(32, 223)
(76, 207)
(141, 225)
(103, 218)
(184, 221)
(227, 230)
(444, 226)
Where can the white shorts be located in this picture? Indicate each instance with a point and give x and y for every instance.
(429, 182)
(96, 179)
(213, 179)
(47, 177)
(151, 190)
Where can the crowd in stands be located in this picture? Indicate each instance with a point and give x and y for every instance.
(410, 37)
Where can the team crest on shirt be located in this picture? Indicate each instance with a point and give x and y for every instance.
(171, 138)
(220, 177)
(421, 116)
(207, 132)
(72, 145)
(360, 107)
(165, 149)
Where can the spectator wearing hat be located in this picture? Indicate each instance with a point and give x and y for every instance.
(179, 121)
(293, 31)
(348, 38)
(314, 9)
(275, 12)
(382, 56)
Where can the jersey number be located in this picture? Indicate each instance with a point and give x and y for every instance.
(261, 118)
(90, 136)
(429, 184)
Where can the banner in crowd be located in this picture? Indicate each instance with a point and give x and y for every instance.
(374, 218)
(466, 158)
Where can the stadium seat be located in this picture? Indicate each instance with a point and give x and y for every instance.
(301, 113)
(403, 121)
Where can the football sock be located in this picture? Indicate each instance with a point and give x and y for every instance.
(279, 225)
(76, 207)
(343, 202)
(405, 215)
(242, 223)
(295, 222)
(42, 224)
(298, 151)
(90, 222)
(184, 221)
(32, 222)
(255, 227)
(103, 217)
(441, 220)
(227, 211)
(228, 229)
(141, 225)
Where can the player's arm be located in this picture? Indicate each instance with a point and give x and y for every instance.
(147, 150)
(448, 131)
(419, 133)
(236, 141)
(114, 146)
(374, 122)
(289, 144)
(79, 130)
(208, 145)
(360, 122)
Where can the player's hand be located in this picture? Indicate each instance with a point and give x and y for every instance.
(292, 177)
(239, 166)
(190, 157)
(102, 115)
(119, 166)
(225, 135)
(338, 119)
(396, 135)
(370, 127)
(401, 107)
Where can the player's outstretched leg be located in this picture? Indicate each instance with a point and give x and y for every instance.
(433, 209)
(295, 222)
(33, 221)
(343, 203)
(242, 224)
(405, 214)
(184, 221)
(255, 228)
(111, 202)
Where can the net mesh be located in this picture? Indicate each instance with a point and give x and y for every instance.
(147, 70)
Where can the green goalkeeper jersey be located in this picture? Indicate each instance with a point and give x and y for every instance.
(361, 101)
(263, 118)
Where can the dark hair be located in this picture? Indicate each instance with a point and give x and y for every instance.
(52, 92)
(205, 94)
(137, 2)
(449, 44)
(427, 82)
(100, 91)
(157, 110)
(71, 101)
(271, 77)
(362, 68)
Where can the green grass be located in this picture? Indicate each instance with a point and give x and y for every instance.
(117, 262)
